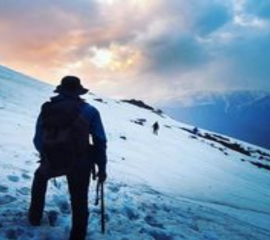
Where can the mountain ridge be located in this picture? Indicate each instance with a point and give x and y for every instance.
(240, 114)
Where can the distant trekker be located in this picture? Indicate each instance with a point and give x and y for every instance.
(62, 139)
(155, 128)
(195, 131)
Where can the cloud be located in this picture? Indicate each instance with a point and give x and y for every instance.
(248, 60)
(214, 53)
(260, 8)
(174, 53)
(176, 42)
(122, 48)
(212, 18)
(61, 31)
(41, 30)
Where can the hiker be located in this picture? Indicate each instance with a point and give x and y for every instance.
(155, 128)
(195, 131)
(74, 158)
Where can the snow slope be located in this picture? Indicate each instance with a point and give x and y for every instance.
(167, 187)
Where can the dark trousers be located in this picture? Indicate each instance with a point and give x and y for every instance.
(78, 184)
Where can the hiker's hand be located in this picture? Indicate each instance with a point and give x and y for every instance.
(102, 176)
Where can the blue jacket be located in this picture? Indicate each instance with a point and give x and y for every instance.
(96, 130)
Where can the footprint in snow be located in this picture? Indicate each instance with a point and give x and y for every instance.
(11, 234)
(3, 189)
(153, 222)
(14, 233)
(157, 235)
(28, 162)
(209, 235)
(131, 214)
(64, 206)
(53, 217)
(13, 178)
(26, 176)
(114, 188)
(6, 199)
(24, 191)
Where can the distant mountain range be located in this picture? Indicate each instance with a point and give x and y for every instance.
(241, 114)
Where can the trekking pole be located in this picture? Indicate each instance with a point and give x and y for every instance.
(97, 194)
(102, 209)
(100, 188)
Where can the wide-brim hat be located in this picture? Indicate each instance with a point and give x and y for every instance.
(71, 85)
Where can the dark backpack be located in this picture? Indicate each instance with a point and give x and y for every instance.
(65, 136)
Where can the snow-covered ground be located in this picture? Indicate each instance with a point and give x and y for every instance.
(169, 186)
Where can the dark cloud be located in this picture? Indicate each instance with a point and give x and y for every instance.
(179, 47)
(172, 53)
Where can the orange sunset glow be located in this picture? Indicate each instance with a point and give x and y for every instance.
(154, 49)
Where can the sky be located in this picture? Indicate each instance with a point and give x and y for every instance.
(155, 50)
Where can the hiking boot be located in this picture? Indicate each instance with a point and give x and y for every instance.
(33, 221)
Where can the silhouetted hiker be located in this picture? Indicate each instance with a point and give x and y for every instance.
(62, 139)
(155, 128)
(195, 131)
